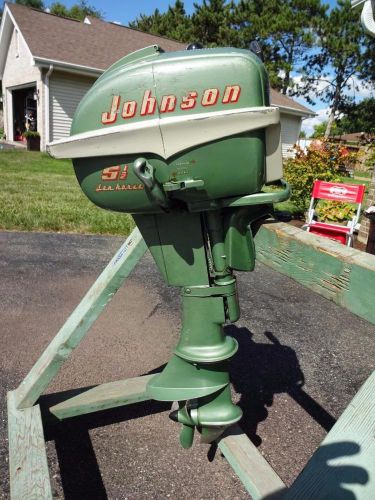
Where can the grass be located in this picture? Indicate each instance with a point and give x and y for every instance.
(353, 180)
(39, 193)
(365, 174)
(42, 194)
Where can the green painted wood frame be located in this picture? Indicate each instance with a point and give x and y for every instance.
(341, 274)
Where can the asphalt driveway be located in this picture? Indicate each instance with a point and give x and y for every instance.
(301, 360)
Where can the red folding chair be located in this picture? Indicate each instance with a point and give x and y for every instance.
(335, 191)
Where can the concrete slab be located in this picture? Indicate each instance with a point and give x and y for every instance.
(301, 360)
(12, 145)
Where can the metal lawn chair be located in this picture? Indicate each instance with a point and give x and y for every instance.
(335, 191)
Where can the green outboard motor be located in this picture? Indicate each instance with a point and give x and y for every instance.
(185, 141)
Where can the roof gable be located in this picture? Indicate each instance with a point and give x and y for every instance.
(95, 45)
(283, 101)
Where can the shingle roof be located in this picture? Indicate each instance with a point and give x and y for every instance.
(96, 45)
(284, 101)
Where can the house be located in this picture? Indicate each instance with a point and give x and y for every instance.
(48, 63)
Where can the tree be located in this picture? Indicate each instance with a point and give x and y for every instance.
(77, 11)
(358, 118)
(333, 69)
(36, 4)
(150, 24)
(212, 24)
(174, 23)
(83, 9)
(368, 69)
(319, 130)
(59, 9)
(287, 30)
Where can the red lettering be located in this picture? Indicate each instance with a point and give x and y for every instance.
(168, 103)
(210, 97)
(128, 110)
(231, 93)
(124, 173)
(189, 101)
(148, 104)
(111, 116)
(111, 173)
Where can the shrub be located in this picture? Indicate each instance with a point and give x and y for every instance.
(335, 211)
(323, 161)
(30, 133)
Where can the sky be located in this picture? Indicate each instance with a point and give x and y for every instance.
(125, 11)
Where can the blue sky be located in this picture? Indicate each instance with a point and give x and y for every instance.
(126, 11)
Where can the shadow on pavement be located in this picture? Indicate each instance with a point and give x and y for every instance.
(259, 371)
(79, 469)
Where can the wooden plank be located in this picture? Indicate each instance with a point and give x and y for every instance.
(29, 476)
(339, 273)
(77, 325)
(344, 464)
(255, 473)
(102, 397)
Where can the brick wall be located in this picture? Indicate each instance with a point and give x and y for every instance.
(365, 223)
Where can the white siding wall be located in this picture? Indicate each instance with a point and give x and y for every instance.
(19, 70)
(290, 129)
(66, 91)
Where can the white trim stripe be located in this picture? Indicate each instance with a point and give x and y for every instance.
(164, 136)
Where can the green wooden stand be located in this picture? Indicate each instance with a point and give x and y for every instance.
(29, 476)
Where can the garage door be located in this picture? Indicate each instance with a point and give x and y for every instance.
(66, 91)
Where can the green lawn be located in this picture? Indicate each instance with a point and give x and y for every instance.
(365, 174)
(42, 194)
(353, 180)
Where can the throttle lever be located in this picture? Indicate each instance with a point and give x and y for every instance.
(146, 174)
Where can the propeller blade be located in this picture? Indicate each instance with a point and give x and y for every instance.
(210, 434)
(187, 436)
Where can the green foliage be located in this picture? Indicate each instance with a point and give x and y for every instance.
(286, 29)
(358, 118)
(335, 211)
(59, 9)
(322, 162)
(30, 133)
(355, 118)
(174, 23)
(36, 4)
(331, 70)
(319, 130)
(78, 11)
(367, 71)
(212, 24)
(83, 9)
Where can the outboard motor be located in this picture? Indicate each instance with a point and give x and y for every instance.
(185, 141)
